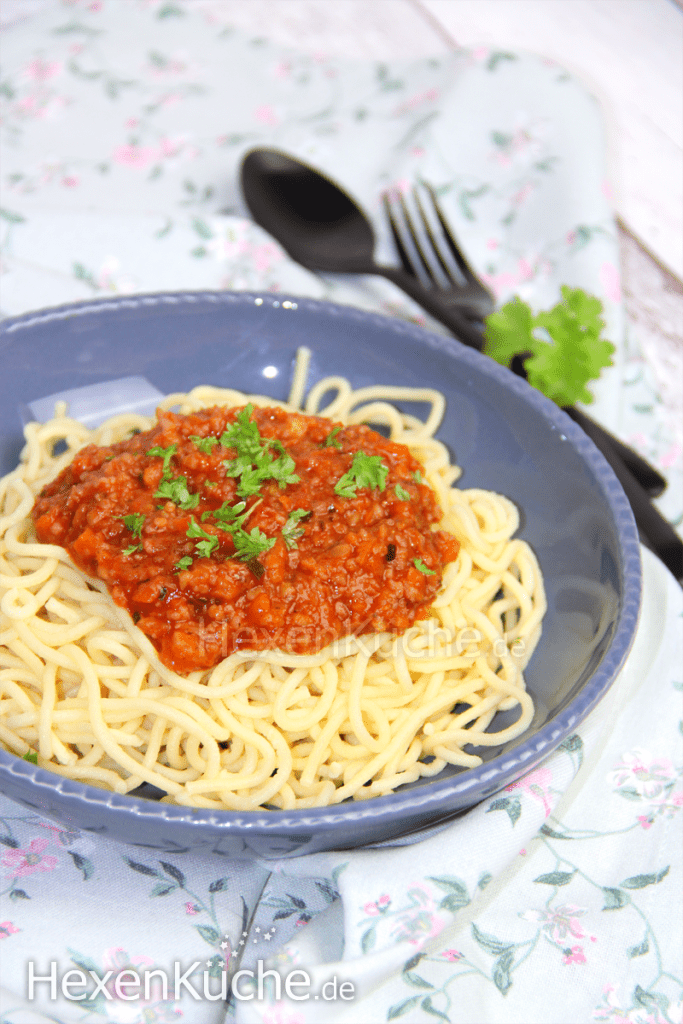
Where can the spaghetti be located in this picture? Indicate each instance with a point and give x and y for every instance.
(86, 690)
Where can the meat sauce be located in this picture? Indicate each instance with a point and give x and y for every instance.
(251, 529)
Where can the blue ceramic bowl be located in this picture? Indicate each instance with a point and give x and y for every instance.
(505, 435)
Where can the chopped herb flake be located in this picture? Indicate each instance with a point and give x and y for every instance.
(251, 545)
(164, 453)
(131, 549)
(243, 435)
(331, 441)
(290, 531)
(183, 563)
(254, 462)
(207, 543)
(134, 523)
(227, 514)
(31, 756)
(417, 476)
(419, 564)
(175, 489)
(205, 444)
(401, 493)
(365, 471)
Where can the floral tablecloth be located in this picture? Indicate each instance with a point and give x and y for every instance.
(123, 129)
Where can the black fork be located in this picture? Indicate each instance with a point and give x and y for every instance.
(431, 254)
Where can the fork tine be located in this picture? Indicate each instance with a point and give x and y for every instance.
(422, 257)
(414, 263)
(430, 235)
(457, 255)
(396, 235)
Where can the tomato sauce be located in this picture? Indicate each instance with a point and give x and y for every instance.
(211, 555)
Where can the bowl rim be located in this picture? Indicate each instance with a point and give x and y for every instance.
(440, 793)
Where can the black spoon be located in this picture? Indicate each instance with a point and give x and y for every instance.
(323, 229)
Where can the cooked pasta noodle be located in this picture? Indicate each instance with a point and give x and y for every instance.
(85, 689)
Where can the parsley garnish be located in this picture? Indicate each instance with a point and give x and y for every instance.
(228, 515)
(31, 756)
(175, 489)
(401, 493)
(574, 354)
(134, 523)
(208, 542)
(183, 563)
(166, 454)
(251, 545)
(230, 518)
(290, 531)
(419, 564)
(254, 463)
(205, 444)
(365, 471)
(417, 476)
(331, 441)
(243, 435)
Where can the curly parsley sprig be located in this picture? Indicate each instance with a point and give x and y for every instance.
(562, 349)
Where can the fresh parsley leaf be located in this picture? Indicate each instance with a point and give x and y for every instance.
(175, 489)
(166, 454)
(509, 332)
(207, 543)
(562, 348)
(131, 549)
(243, 435)
(227, 515)
(331, 440)
(250, 480)
(183, 563)
(134, 523)
(290, 531)
(255, 468)
(365, 471)
(31, 756)
(401, 493)
(417, 476)
(205, 444)
(419, 564)
(251, 545)
(282, 470)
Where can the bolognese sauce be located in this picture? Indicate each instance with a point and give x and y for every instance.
(251, 529)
